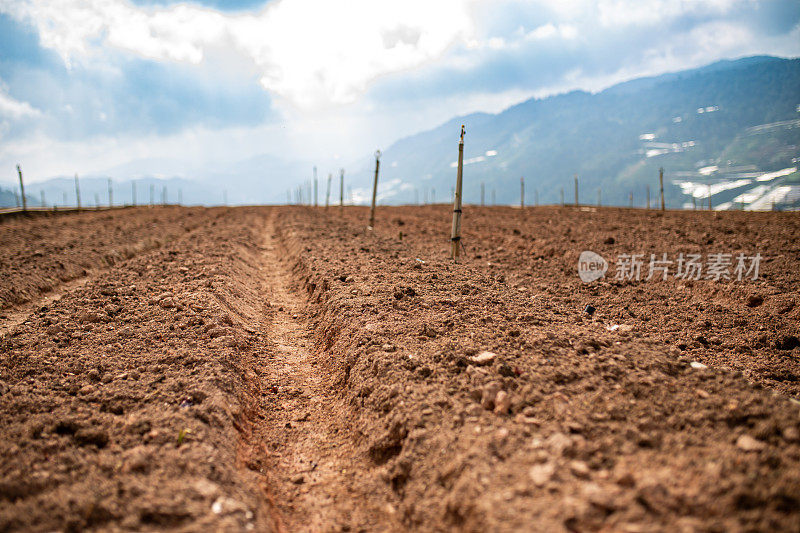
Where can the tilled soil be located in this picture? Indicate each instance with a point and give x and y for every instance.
(285, 369)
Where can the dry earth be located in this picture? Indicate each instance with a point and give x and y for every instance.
(283, 369)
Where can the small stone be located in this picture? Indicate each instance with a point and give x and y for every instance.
(502, 403)
(589, 309)
(791, 433)
(168, 303)
(624, 329)
(609, 240)
(697, 366)
(749, 444)
(298, 479)
(483, 358)
(559, 443)
(580, 469)
(388, 347)
(541, 474)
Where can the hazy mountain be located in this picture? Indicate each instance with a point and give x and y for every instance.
(615, 140)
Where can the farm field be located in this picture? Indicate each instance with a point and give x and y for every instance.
(283, 369)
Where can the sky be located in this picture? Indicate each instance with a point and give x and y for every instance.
(154, 87)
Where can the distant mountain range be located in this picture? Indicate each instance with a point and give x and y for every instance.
(730, 129)
(705, 126)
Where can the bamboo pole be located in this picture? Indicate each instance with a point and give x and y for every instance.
(22, 190)
(522, 192)
(315, 187)
(77, 192)
(661, 185)
(110, 194)
(709, 198)
(648, 196)
(630, 199)
(328, 192)
(374, 189)
(152, 194)
(483, 191)
(455, 233)
(576, 191)
(341, 189)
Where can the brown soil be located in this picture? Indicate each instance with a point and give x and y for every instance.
(284, 369)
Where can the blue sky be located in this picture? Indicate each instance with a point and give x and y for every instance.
(152, 86)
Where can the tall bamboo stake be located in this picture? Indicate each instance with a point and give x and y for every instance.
(110, 194)
(661, 185)
(455, 233)
(494, 197)
(576, 191)
(22, 190)
(630, 199)
(648, 196)
(315, 187)
(482, 193)
(374, 189)
(709, 198)
(341, 189)
(328, 192)
(521, 192)
(77, 192)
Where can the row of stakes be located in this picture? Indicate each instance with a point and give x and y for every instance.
(455, 231)
(22, 201)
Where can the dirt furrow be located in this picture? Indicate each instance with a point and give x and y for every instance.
(311, 474)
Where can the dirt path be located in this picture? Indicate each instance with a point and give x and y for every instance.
(312, 474)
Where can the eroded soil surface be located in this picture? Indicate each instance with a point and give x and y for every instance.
(283, 369)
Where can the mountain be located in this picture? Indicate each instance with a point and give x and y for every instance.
(614, 140)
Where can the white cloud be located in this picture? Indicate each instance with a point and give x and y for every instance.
(308, 52)
(14, 109)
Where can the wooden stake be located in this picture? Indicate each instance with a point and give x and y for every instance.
(315, 187)
(709, 198)
(374, 189)
(455, 233)
(576, 191)
(522, 192)
(110, 194)
(341, 189)
(630, 199)
(648, 196)
(328, 193)
(661, 186)
(482, 193)
(77, 192)
(22, 190)
(152, 194)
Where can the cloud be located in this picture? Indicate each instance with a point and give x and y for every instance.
(14, 109)
(309, 52)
